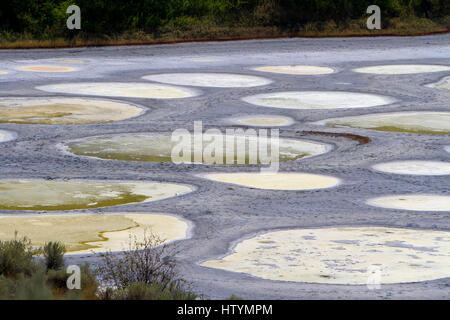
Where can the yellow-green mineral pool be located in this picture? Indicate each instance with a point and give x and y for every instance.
(89, 233)
(46, 68)
(275, 181)
(413, 202)
(343, 255)
(122, 89)
(443, 84)
(318, 100)
(415, 167)
(423, 122)
(6, 136)
(217, 80)
(399, 69)
(263, 121)
(296, 69)
(161, 148)
(56, 195)
(33, 110)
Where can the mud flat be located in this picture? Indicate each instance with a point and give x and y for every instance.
(318, 100)
(264, 121)
(122, 89)
(399, 69)
(52, 195)
(86, 233)
(276, 181)
(159, 148)
(6, 136)
(296, 70)
(33, 110)
(342, 255)
(413, 202)
(47, 69)
(218, 80)
(412, 122)
(415, 167)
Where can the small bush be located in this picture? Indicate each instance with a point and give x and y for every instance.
(145, 271)
(54, 255)
(16, 257)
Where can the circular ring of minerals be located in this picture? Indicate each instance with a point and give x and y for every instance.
(6, 136)
(216, 80)
(122, 89)
(43, 68)
(423, 122)
(162, 147)
(413, 202)
(318, 100)
(296, 69)
(58, 195)
(401, 69)
(59, 110)
(415, 167)
(263, 121)
(275, 181)
(91, 233)
(342, 255)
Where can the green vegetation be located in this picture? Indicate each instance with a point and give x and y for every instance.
(32, 23)
(145, 272)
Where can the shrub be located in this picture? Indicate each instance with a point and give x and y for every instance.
(145, 291)
(54, 255)
(145, 271)
(16, 257)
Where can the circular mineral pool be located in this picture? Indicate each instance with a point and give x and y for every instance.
(122, 89)
(219, 80)
(275, 181)
(414, 202)
(345, 255)
(53, 195)
(162, 148)
(403, 69)
(318, 100)
(6, 136)
(415, 167)
(413, 122)
(87, 233)
(47, 69)
(33, 110)
(72, 61)
(296, 70)
(264, 121)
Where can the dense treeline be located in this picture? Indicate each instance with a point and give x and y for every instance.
(47, 18)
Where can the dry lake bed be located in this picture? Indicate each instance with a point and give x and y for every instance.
(362, 190)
